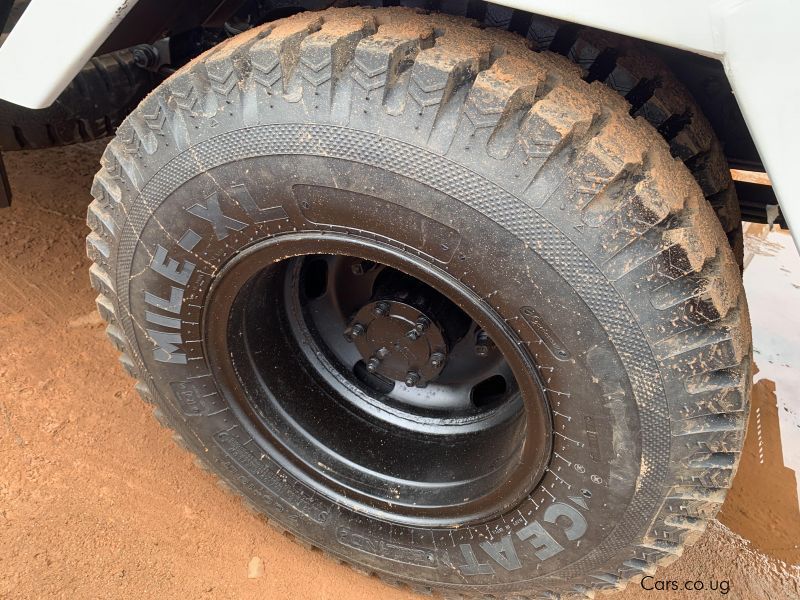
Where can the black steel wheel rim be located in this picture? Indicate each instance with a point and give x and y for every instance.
(427, 451)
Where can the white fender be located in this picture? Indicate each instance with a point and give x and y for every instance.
(49, 45)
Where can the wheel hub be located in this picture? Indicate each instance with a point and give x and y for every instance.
(398, 341)
(370, 438)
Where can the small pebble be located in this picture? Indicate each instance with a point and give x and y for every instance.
(255, 568)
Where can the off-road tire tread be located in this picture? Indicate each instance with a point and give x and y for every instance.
(635, 71)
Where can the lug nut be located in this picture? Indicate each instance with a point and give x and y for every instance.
(483, 344)
(382, 353)
(354, 331)
(373, 364)
(412, 335)
(422, 324)
(382, 309)
(437, 359)
(412, 378)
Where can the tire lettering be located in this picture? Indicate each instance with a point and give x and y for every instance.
(503, 552)
(189, 240)
(577, 522)
(166, 349)
(259, 215)
(169, 268)
(172, 305)
(157, 319)
(166, 343)
(266, 477)
(544, 333)
(592, 441)
(473, 567)
(544, 543)
(195, 399)
(389, 550)
(214, 215)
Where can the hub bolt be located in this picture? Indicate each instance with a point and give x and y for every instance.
(382, 353)
(373, 364)
(354, 331)
(413, 335)
(382, 309)
(412, 378)
(483, 344)
(437, 359)
(422, 324)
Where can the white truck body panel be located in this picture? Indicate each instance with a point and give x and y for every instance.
(754, 39)
(49, 45)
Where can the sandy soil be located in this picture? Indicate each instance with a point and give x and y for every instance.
(97, 502)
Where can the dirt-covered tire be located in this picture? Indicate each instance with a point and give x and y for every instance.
(585, 254)
(102, 94)
(632, 69)
(635, 71)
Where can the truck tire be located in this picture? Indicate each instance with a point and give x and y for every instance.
(429, 301)
(91, 107)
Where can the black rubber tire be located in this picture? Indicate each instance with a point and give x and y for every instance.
(556, 198)
(102, 94)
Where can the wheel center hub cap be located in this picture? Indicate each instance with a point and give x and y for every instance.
(398, 341)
